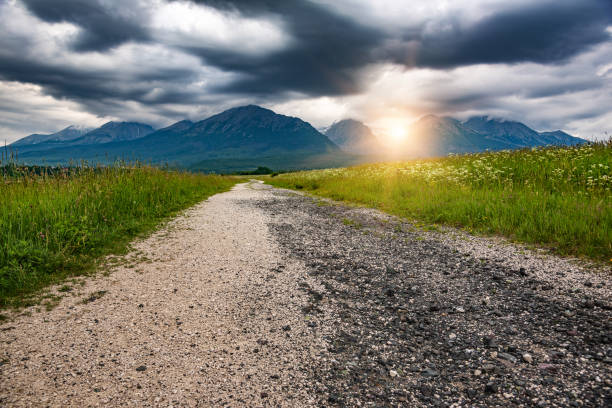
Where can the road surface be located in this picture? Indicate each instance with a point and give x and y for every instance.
(264, 297)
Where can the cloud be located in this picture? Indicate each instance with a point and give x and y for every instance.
(331, 48)
(325, 56)
(164, 60)
(186, 25)
(26, 109)
(574, 97)
(103, 24)
(543, 33)
(145, 73)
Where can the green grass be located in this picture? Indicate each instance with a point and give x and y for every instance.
(58, 224)
(555, 197)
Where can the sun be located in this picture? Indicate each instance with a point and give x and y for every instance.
(397, 133)
(394, 131)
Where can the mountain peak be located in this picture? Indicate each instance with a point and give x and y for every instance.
(115, 132)
(260, 128)
(253, 116)
(121, 123)
(354, 137)
(429, 118)
(82, 128)
(497, 127)
(474, 120)
(348, 121)
(69, 133)
(253, 109)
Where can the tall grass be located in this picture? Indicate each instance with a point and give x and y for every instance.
(559, 197)
(55, 223)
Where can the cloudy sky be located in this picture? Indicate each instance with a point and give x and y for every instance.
(547, 63)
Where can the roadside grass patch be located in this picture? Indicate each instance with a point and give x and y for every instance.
(51, 301)
(56, 223)
(558, 198)
(94, 296)
(352, 223)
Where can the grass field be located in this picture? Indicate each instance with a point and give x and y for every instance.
(57, 223)
(556, 197)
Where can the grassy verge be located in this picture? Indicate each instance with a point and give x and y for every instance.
(57, 224)
(557, 197)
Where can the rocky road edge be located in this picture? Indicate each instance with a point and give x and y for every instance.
(415, 318)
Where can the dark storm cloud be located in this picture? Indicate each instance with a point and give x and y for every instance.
(465, 100)
(89, 88)
(330, 49)
(102, 27)
(255, 7)
(544, 91)
(324, 58)
(543, 33)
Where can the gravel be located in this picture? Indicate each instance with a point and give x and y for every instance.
(264, 297)
(194, 317)
(440, 318)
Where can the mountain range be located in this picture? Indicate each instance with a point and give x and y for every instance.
(516, 135)
(437, 136)
(248, 136)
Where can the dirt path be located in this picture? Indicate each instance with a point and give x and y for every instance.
(262, 297)
(211, 318)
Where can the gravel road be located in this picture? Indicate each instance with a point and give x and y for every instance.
(265, 297)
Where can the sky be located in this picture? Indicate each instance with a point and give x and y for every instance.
(546, 63)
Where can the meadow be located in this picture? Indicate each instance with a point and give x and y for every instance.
(556, 197)
(58, 222)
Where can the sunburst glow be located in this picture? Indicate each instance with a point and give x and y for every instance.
(398, 133)
(394, 131)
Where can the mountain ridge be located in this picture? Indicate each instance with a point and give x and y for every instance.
(69, 133)
(516, 133)
(246, 133)
(433, 135)
(115, 132)
(242, 132)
